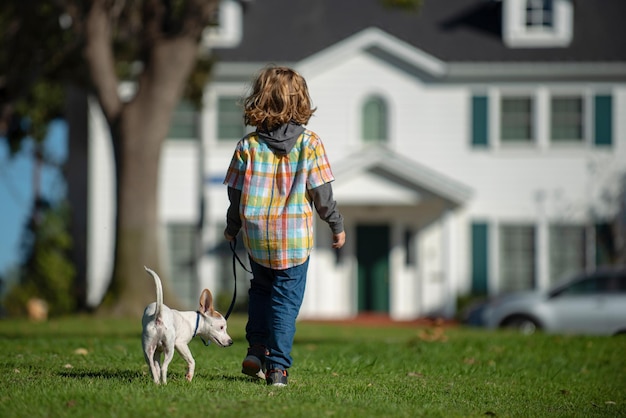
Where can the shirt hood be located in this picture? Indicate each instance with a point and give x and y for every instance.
(282, 139)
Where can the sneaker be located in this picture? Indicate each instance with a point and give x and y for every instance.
(277, 377)
(254, 363)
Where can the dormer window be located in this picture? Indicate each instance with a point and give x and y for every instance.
(228, 30)
(537, 23)
(539, 13)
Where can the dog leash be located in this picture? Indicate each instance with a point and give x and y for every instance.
(233, 246)
(233, 249)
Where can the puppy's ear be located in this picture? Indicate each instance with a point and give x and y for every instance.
(206, 302)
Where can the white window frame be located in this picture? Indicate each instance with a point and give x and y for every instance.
(516, 33)
(228, 33)
(195, 124)
(555, 276)
(384, 116)
(211, 113)
(583, 117)
(495, 113)
(541, 117)
(502, 285)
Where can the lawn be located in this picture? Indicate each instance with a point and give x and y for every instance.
(88, 367)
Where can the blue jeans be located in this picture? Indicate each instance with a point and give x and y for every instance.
(275, 300)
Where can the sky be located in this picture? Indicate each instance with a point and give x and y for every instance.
(16, 188)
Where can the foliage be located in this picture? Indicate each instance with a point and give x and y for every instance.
(38, 55)
(408, 5)
(83, 367)
(46, 272)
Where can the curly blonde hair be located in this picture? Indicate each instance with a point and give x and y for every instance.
(279, 96)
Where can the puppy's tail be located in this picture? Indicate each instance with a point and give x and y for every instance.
(159, 291)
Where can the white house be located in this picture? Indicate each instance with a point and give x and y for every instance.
(474, 145)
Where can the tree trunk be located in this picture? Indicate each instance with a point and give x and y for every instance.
(138, 140)
(138, 129)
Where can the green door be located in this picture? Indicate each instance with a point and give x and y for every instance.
(372, 251)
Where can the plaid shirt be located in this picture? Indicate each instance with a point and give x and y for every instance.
(275, 207)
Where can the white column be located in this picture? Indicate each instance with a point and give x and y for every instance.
(542, 252)
(447, 269)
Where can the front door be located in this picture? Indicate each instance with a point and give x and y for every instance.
(372, 251)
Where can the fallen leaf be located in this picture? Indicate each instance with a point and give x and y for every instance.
(435, 334)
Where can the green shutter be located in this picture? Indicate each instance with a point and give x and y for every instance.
(603, 119)
(480, 265)
(479, 121)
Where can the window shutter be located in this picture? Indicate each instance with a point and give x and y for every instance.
(480, 260)
(603, 120)
(479, 121)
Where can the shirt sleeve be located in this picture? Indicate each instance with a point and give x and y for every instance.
(233, 219)
(326, 207)
(236, 170)
(320, 172)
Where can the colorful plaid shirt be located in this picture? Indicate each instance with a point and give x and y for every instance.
(275, 207)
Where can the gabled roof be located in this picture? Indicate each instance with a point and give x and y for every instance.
(376, 42)
(395, 178)
(449, 30)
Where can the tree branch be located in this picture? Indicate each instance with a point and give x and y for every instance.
(200, 13)
(100, 59)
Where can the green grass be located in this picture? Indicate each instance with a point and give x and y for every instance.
(88, 367)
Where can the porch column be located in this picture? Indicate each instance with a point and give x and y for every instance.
(448, 243)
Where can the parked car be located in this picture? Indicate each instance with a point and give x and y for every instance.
(588, 303)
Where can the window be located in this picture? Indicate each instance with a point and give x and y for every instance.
(517, 257)
(516, 119)
(181, 244)
(567, 250)
(535, 117)
(184, 123)
(374, 120)
(537, 23)
(226, 29)
(539, 13)
(566, 119)
(230, 125)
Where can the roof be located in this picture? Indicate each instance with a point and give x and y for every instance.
(397, 179)
(451, 30)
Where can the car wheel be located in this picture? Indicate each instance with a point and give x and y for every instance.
(524, 324)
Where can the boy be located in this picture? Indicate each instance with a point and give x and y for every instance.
(275, 176)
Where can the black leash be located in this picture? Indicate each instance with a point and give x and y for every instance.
(233, 249)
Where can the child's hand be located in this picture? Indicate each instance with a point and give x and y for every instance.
(339, 239)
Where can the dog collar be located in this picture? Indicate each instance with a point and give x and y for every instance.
(195, 331)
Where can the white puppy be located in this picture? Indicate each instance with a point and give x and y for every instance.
(166, 329)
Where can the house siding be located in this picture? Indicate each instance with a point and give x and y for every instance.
(449, 127)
